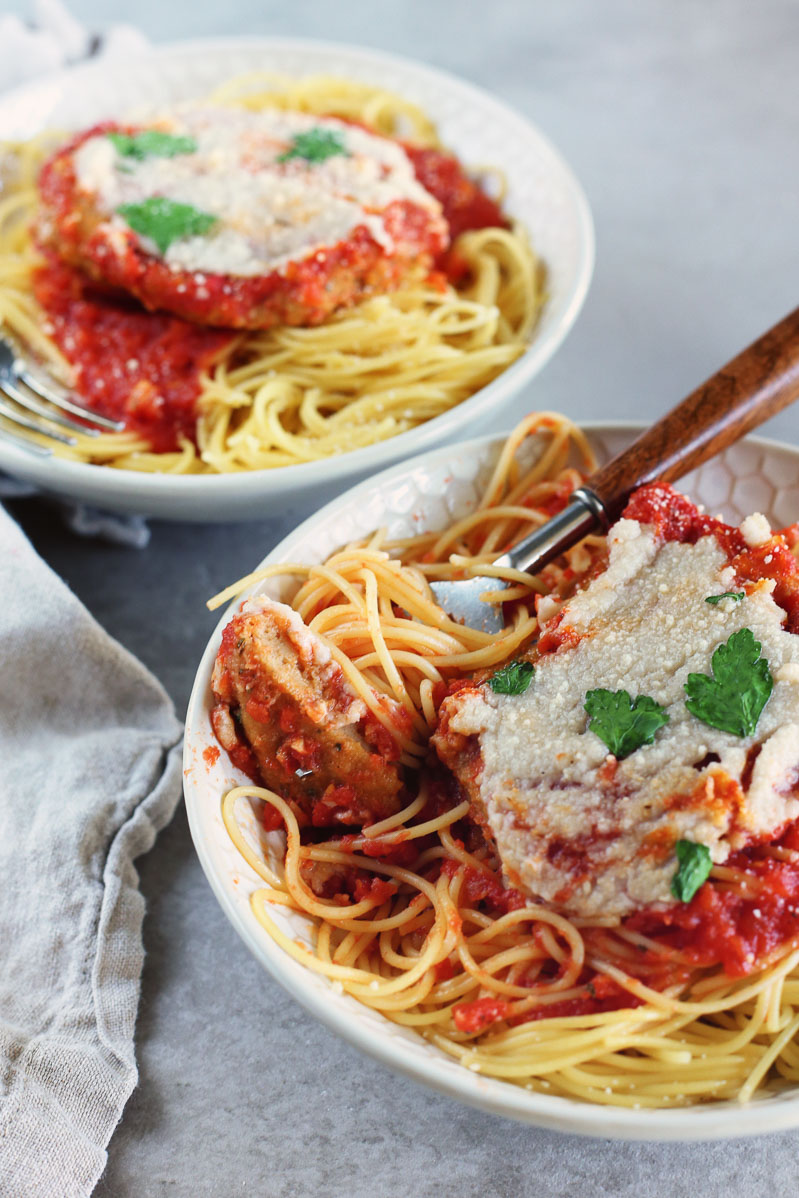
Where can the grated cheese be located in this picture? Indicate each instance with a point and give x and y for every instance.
(268, 213)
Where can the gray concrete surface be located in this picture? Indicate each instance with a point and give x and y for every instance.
(681, 121)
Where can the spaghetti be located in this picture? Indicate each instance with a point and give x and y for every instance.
(421, 927)
(290, 394)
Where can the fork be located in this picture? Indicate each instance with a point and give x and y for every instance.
(33, 401)
(761, 381)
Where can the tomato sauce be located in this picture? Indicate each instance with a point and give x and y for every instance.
(466, 206)
(379, 890)
(676, 518)
(736, 927)
(483, 885)
(142, 368)
(773, 560)
(600, 994)
(239, 752)
(396, 851)
(478, 1015)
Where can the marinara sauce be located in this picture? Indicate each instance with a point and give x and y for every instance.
(140, 367)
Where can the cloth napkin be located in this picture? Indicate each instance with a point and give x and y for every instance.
(89, 773)
(54, 39)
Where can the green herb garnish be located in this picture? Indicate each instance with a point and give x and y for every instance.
(734, 697)
(624, 724)
(165, 221)
(152, 143)
(736, 595)
(694, 867)
(316, 145)
(512, 679)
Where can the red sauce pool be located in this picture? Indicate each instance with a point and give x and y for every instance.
(735, 928)
(139, 367)
(466, 206)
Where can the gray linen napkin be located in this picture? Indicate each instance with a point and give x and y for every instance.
(89, 773)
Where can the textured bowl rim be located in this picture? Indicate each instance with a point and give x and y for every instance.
(708, 1122)
(128, 484)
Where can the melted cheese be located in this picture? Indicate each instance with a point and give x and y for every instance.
(575, 827)
(268, 213)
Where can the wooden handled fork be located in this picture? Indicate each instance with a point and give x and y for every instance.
(758, 383)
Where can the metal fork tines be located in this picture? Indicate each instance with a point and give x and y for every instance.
(461, 597)
(32, 401)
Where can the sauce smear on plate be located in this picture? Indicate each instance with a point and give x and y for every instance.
(140, 367)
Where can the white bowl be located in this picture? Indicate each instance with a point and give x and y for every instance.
(429, 492)
(542, 192)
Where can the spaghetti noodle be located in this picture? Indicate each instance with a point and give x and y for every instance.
(289, 395)
(422, 928)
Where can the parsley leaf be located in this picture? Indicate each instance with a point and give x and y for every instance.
(165, 221)
(624, 724)
(152, 143)
(734, 697)
(315, 145)
(736, 595)
(512, 679)
(694, 867)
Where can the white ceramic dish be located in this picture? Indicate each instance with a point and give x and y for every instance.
(428, 492)
(542, 192)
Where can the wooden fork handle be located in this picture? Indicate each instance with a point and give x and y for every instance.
(758, 383)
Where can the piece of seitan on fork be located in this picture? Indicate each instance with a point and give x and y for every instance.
(279, 692)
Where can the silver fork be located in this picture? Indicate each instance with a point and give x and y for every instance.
(462, 598)
(761, 381)
(31, 400)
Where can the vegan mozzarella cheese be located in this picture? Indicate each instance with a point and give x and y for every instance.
(269, 212)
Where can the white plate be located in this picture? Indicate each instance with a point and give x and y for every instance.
(429, 492)
(542, 192)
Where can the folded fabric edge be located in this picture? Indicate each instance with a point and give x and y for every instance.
(52, 1145)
